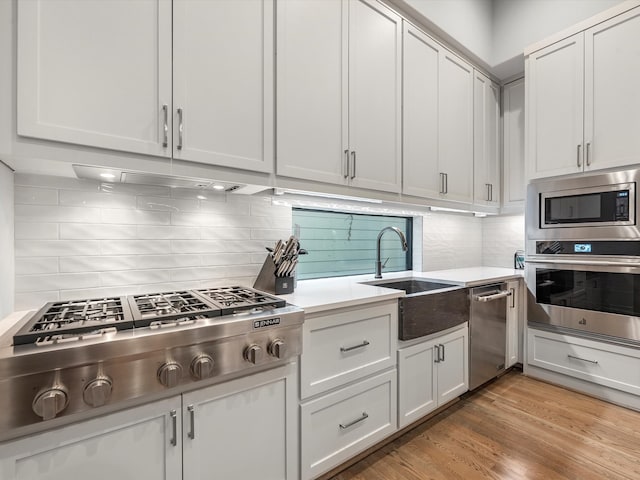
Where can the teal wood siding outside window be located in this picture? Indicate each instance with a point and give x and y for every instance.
(345, 243)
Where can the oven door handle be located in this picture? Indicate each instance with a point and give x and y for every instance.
(583, 262)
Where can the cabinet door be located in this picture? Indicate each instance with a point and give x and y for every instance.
(245, 428)
(514, 184)
(514, 331)
(312, 100)
(96, 73)
(453, 367)
(420, 114)
(455, 121)
(486, 140)
(612, 102)
(375, 38)
(417, 382)
(223, 82)
(127, 445)
(555, 108)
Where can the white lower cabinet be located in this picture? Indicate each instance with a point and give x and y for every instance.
(605, 364)
(431, 374)
(337, 426)
(244, 428)
(133, 444)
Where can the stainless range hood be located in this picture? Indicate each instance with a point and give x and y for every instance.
(105, 174)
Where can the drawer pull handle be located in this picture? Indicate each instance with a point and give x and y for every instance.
(174, 428)
(354, 347)
(344, 426)
(191, 434)
(595, 362)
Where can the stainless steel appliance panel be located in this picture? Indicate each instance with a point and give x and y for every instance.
(487, 333)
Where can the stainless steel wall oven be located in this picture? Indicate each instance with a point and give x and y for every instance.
(583, 255)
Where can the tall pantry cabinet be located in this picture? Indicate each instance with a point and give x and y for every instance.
(184, 79)
(338, 93)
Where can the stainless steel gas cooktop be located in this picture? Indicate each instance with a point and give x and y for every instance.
(75, 356)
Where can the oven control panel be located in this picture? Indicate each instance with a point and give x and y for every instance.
(623, 248)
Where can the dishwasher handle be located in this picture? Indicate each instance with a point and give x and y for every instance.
(493, 296)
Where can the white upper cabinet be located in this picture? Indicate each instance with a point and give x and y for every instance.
(612, 100)
(339, 92)
(555, 108)
(583, 108)
(421, 64)
(455, 133)
(223, 82)
(486, 140)
(96, 73)
(187, 79)
(312, 67)
(375, 48)
(514, 177)
(437, 120)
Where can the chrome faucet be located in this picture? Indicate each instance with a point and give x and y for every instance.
(404, 247)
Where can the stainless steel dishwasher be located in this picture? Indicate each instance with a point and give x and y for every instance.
(487, 333)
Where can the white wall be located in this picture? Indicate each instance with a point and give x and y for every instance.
(82, 239)
(501, 237)
(6, 241)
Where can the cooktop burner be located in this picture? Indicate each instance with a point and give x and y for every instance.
(236, 299)
(60, 320)
(169, 307)
(67, 321)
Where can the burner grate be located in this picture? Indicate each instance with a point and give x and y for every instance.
(75, 317)
(169, 307)
(235, 299)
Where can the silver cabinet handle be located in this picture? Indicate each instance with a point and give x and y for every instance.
(165, 138)
(595, 362)
(578, 158)
(437, 352)
(513, 297)
(180, 128)
(345, 164)
(446, 183)
(491, 192)
(174, 426)
(488, 191)
(353, 163)
(354, 347)
(588, 156)
(442, 350)
(364, 416)
(442, 187)
(192, 423)
(495, 296)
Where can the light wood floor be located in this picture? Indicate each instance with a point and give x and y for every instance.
(516, 428)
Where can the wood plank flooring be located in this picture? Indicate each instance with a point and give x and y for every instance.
(515, 428)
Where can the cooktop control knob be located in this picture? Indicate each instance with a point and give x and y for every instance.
(50, 402)
(169, 374)
(97, 391)
(253, 353)
(277, 348)
(202, 367)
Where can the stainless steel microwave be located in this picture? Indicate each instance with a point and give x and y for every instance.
(585, 206)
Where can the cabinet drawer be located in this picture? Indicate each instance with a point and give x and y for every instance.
(341, 424)
(347, 345)
(605, 364)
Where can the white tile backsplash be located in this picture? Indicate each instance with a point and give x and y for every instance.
(83, 239)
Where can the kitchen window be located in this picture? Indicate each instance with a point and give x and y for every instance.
(345, 243)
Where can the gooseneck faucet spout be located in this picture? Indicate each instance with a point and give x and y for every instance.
(404, 247)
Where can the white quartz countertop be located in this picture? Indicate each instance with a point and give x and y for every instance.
(329, 293)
